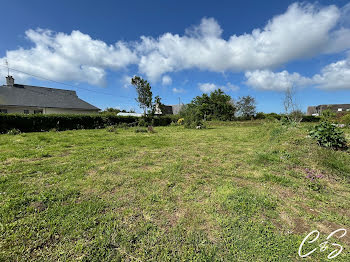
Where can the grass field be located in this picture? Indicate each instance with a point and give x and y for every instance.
(232, 192)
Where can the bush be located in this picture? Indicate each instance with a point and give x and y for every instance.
(61, 122)
(13, 131)
(311, 119)
(327, 115)
(180, 122)
(328, 135)
(192, 116)
(269, 116)
(346, 119)
(112, 129)
(260, 115)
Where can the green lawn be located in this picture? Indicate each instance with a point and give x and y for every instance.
(232, 192)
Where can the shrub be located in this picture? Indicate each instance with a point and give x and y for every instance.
(327, 115)
(192, 116)
(328, 135)
(112, 129)
(142, 122)
(180, 121)
(270, 116)
(13, 131)
(346, 119)
(61, 122)
(311, 119)
(260, 115)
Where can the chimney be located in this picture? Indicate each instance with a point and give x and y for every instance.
(10, 81)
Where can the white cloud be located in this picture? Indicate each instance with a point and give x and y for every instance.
(333, 76)
(126, 81)
(232, 87)
(210, 87)
(304, 30)
(268, 80)
(207, 87)
(178, 90)
(69, 57)
(166, 80)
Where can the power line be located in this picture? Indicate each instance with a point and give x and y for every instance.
(61, 83)
(54, 81)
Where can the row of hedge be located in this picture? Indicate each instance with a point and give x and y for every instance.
(60, 122)
(305, 118)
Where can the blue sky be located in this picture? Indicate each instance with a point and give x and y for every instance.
(184, 48)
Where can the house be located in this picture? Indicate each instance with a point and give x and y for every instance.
(169, 109)
(17, 98)
(317, 110)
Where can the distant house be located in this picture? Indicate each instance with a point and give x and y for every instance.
(169, 109)
(317, 110)
(16, 98)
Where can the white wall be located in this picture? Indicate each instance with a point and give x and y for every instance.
(12, 110)
(66, 111)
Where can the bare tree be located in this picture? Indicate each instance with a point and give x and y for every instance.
(291, 108)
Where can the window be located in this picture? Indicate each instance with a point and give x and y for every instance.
(40, 111)
(3, 111)
(26, 112)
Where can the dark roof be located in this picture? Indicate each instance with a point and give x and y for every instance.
(333, 106)
(167, 110)
(36, 96)
(177, 108)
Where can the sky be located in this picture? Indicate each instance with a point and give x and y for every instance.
(183, 48)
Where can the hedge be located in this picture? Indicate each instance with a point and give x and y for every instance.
(311, 119)
(60, 122)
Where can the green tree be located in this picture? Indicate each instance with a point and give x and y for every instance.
(216, 105)
(158, 105)
(111, 110)
(144, 93)
(246, 106)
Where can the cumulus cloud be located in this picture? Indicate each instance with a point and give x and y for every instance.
(69, 57)
(333, 76)
(178, 90)
(232, 87)
(280, 81)
(210, 87)
(166, 80)
(303, 30)
(126, 81)
(207, 87)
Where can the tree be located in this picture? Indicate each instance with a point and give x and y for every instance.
(111, 110)
(291, 108)
(158, 107)
(246, 106)
(144, 93)
(217, 105)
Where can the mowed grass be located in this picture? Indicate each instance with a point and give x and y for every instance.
(232, 192)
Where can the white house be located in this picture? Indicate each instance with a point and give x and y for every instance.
(16, 98)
